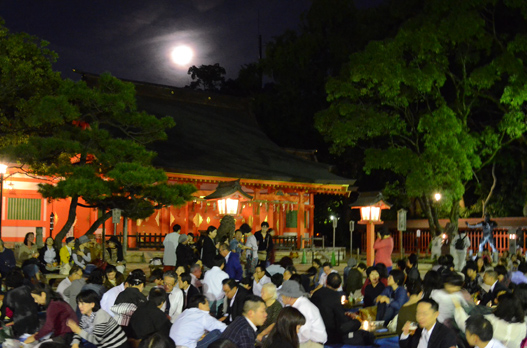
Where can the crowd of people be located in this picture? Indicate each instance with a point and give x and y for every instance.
(228, 292)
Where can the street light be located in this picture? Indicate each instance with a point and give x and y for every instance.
(335, 220)
(437, 197)
(3, 170)
(370, 205)
(228, 195)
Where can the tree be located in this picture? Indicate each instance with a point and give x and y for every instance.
(437, 102)
(207, 77)
(96, 151)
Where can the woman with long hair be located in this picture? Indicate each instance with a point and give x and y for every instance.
(49, 257)
(285, 332)
(28, 257)
(96, 326)
(58, 313)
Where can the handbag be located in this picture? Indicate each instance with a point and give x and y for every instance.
(65, 269)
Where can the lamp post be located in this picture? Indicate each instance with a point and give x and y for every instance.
(228, 195)
(3, 170)
(370, 205)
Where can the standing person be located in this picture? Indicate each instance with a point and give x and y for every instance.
(242, 331)
(313, 333)
(487, 226)
(7, 259)
(251, 246)
(58, 313)
(265, 242)
(435, 246)
(209, 248)
(170, 244)
(285, 333)
(235, 244)
(96, 327)
(383, 248)
(184, 254)
(49, 256)
(460, 243)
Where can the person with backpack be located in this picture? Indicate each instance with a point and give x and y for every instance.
(461, 243)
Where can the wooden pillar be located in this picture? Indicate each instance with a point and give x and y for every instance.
(370, 239)
(256, 211)
(300, 225)
(312, 215)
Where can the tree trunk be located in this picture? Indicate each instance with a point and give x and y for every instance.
(99, 222)
(72, 214)
(494, 181)
(431, 215)
(454, 214)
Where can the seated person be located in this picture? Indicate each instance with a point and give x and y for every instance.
(479, 332)
(374, 288)
(328, 302)
(354, 280)
(148, 317)
(392, 297)
(490, 278)
(407, 311)
(445, 297)
(430, 330)
(472, 279)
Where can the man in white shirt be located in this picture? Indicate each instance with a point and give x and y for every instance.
(313, 333)
(260, 278)
(324, 277)
(174, 304)
(479, 332)
(193, 323)
(75, 273)
(212, 284)
(195, 273)
(170, 244)
(109, 297)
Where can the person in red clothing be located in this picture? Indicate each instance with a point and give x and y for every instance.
(383, 248)
(57, 314)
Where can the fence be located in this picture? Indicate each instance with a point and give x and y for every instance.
(411, 243)
(142, 241)
(285, 243)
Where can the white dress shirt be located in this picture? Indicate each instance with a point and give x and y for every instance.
(109, 297)
(314, 329)
(191, 325)
(423, 340)
(493, 343)
(176, 303)
(253, 244)
(257, 286)
(170, 243)
(212, 284)
(63, 285)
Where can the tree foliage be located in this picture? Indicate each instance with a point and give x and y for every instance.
(207, 77)
(438, 101)
(90, 139)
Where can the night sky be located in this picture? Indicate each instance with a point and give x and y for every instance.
(133, 39)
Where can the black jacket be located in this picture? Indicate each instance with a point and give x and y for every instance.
(442, 337)
(185, 256)
(237, 306)
(329, 304)
(490, 296)
(148, 319)
(131, 295)
(191, 292)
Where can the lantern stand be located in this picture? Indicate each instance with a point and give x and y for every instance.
(228, 196)
(370, 205)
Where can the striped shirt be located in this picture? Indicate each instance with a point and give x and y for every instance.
(105, 333)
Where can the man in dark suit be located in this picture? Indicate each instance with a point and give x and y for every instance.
(241, 332)
(431, 333)
(189, 290)
(233, 266)
(234, 297)
(496, 288)
(328, 302)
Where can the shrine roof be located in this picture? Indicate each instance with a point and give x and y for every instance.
(218, 135)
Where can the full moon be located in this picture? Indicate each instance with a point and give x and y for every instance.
(182, 55)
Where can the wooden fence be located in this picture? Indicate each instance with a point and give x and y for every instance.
(411, 243)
